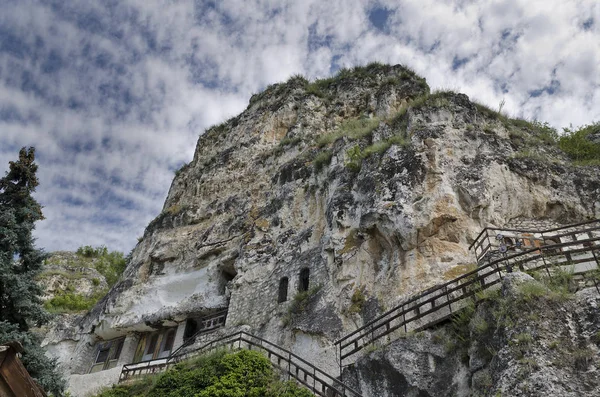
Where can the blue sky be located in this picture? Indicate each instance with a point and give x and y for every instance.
(114, 94)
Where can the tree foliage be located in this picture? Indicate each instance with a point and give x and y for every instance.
(20, 264)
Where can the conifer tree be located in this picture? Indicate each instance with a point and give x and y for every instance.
(20, 263)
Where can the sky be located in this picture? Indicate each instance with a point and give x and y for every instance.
(115, 93)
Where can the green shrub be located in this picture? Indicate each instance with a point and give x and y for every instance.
(357, 300)
(110, 264)
(322, 159)
(240, 374)
(531, 290)
(287, 141)
(88, 251)
(531, 155)
(299, 303)
(68, 301)
(577, 146)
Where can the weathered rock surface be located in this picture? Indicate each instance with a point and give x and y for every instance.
(63, 271)
(387, 206)
(518, 345)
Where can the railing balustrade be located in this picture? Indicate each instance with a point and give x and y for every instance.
(206, 325)
(440, 302)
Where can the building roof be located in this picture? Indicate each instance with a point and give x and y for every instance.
(15, 381)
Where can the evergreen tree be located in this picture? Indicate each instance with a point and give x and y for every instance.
(20, 263)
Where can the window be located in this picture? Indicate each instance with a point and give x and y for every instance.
(107, 355)
(156, 345)
(102, 356)
(283, 290)
(191, 327)
(151, 347)
(169, 341)
(304, 276)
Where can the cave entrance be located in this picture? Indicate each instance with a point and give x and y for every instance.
(304, 279)
(227, 273)
(283, 290)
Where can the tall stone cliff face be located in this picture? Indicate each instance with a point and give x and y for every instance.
(372, 185)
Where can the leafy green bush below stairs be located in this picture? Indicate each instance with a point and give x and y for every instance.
(221, 374)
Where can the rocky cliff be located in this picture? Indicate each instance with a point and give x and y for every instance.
(522, 340)
(371, 182)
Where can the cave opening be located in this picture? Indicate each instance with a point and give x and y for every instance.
(227, 273)
(283, 290)
(304, 279)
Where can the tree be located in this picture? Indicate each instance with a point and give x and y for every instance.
(20, 263)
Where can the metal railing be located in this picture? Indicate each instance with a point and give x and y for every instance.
(149, 367)
(207, 324)
(440, 302)
(420, 311)
(311, 377)
(491, 238)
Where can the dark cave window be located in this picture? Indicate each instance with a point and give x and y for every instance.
(283, 290)
(304, 276)
(227, 273)
(191, 327)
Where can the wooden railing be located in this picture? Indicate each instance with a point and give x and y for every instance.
(440, 302)
(149, 367)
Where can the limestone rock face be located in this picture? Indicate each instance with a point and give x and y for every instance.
(518, 345)
(372, 185)
(63, 272)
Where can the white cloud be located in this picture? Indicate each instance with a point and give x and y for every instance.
(115, 96)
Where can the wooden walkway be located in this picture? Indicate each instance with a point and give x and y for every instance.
(574, 248)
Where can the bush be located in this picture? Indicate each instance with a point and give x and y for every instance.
(577, 145)
(68, 301)
(351, 129)
(358, 300)
(220, 374)
(110, 264)
(322, 159)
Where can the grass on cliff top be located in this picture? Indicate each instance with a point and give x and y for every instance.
(220, 374)
(320, 87)
(110, 264)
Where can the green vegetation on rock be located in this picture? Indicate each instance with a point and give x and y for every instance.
(110, 264)
(68, 301)
(220, 374)
(578, 145)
